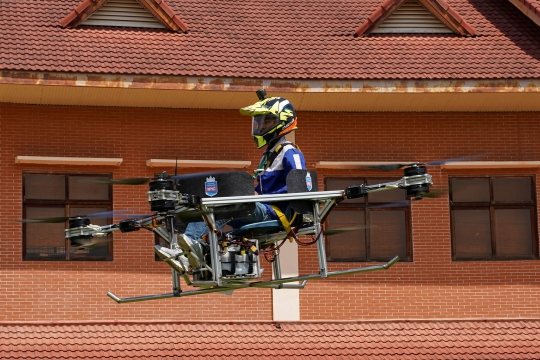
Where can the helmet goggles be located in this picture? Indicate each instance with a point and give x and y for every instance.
(262, 124)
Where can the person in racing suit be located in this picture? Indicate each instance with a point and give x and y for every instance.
(272, 119)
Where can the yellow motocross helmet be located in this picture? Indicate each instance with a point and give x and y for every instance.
(272, 118)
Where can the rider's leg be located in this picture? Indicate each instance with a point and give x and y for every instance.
(259, 215)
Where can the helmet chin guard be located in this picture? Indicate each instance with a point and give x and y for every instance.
(272, 118)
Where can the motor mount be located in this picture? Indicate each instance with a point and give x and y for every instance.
(77, 231)
(162, 194)
(416, 190)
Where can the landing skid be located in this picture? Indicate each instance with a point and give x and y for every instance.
(272, 284)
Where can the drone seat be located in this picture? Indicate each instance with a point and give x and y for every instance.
(258, 229)
(297, 181)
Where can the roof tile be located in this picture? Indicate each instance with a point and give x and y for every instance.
(506, 45)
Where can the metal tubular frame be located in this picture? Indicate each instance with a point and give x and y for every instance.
(274, 284)
(323, 202)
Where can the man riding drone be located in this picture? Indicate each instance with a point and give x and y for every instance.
(272, 119)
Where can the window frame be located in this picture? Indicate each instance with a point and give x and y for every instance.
(492, 206)
(343, 206)
(66, 204)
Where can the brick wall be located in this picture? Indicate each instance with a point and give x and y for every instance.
(432, 286)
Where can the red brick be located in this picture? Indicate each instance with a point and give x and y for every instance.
(430, 287)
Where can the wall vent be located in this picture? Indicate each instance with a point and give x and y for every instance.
(412, 17)
(123, 13)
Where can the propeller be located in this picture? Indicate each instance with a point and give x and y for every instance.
(162, 176)
(432, 195)
(396, 166)
(343, 230)
(121, 214)
(87, 244)
(62, 219)
(192, 214)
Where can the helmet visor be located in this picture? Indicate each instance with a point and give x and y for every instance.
(264, 123)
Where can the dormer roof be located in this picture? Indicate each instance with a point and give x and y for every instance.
(158, 8)
(439, 8)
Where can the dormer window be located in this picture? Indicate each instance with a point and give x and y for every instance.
(123, 13)
(414, 17)
(154, 14)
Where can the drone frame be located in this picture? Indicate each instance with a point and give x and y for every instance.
(416, 181)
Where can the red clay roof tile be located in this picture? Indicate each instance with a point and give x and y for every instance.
(374, 340)
(307, 40)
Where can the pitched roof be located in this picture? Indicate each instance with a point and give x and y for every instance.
(158, 8)
(304, 39)
(356, 340)
(531, 8)
(439, 8)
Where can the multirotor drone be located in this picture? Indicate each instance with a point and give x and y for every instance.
(227, 261)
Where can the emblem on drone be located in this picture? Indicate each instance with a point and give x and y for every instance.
(309, 183)
(210, 186)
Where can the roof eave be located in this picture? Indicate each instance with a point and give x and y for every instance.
(530, 8)
(45, 88)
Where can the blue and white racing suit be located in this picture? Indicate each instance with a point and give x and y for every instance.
(273, 179)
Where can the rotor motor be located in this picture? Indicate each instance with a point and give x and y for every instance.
(77, 231)
(162, 195)
(416, 190)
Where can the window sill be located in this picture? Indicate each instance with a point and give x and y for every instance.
(49, 160)
(491, 165)
(352, 165)
(197, 163)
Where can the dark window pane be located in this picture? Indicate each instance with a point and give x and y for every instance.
(45, 240)
(387, 234)
(341, 184)
(513, 233)
(386, 196)
(349, 245)
(512, 189)
(472, 234)
(470, 190)
(83, 188)
(44, 187)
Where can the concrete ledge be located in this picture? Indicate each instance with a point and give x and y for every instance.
(491, 165)
(353, 164)
(50, 160)
(197, 163)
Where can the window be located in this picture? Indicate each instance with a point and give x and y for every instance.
(61, 195)
(493, 218)
(383, 219)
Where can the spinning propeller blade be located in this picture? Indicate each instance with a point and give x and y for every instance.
(86, 244)
(343, 230)
(131, 181)
(62, 219)
(435, 193)
(189, 215)
(396, 166)
(432, 194)
(162, 176)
